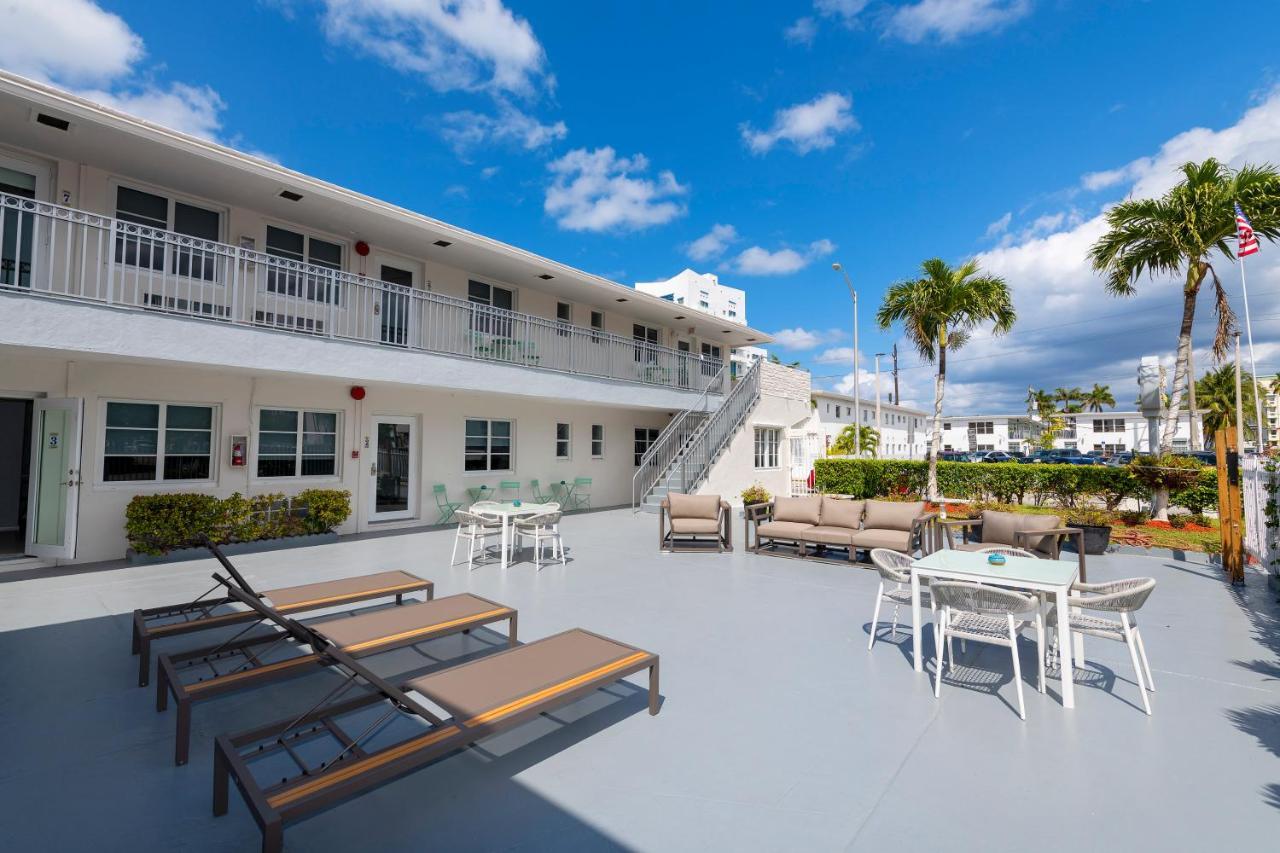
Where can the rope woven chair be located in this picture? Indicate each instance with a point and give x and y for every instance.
(1124, 598)
(895, 587)
(475, 529)
(1008, 551)
(542, 529)
(985, 614)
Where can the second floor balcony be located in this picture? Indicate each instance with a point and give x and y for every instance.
(60, 252)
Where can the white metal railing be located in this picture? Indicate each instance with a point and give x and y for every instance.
(55, 251)
(674, 436)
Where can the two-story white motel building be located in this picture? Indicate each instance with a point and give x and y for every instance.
(176, 315)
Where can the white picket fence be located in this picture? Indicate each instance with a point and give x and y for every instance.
(1261, 486)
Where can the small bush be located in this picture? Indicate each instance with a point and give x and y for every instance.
(1200, 495)
(1132, 517)
(1089, 517)
(157, 524)
(1168, 471)
(755, 494)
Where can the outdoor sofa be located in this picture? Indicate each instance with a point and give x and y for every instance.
(357, 736)
(693, 518)
(1042, 535)
(830, 521)
(240, 663)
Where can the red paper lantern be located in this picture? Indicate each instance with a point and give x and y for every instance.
(362, 248)
(357, 392)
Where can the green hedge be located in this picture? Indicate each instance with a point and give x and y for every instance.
(1003, 482)
(156, 524)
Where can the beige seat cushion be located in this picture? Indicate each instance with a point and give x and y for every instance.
(894, 540)
(804, 510)
(783, 529)
(825, 535)
(694, 506)
(978, 546)
(892, 515)
(841, 513)
(999, 528)
(694, 525)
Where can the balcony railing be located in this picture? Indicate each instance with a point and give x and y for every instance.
(50, 250)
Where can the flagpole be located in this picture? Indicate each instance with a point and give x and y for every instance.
(1253, 365)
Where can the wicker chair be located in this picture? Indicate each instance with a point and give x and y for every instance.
(894, 568)
(542, 529)
(475, 529)
(1124, 598)
(1008, 551)
(986, 614)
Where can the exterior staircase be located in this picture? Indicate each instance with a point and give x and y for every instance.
(689, 446)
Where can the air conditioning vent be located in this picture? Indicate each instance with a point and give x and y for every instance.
(53, 121)
(290, 195)
(443, 244)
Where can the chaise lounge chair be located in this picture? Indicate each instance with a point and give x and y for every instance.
(480, 698)
(202, 674)
(690, 518)
(158, 623)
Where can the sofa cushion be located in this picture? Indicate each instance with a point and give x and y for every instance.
(804, 510)
(782, 529)
(894, 540)
(695, 525)
(1039, 544)
(892, 515)
(841, 513)
(693, 506)
(999, 528)
(825, 535)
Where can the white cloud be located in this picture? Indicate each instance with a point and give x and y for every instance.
(466, 130)
(760, 261)
(79, 45)
(453, 44)
(949, 20)
(802, 31)
(835, 355)
(599, 191)
(802, 339)
(845, 11)
(489, 171)
(1000, 226)
(74, 42)
(809, 126)
(713, 243)
(456, 191)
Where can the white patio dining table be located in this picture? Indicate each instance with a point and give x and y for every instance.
(1054, 577)
(506, 511)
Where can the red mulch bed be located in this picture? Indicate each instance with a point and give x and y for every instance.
(1190, 527)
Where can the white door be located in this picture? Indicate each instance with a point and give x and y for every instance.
(395, 305)
(21, 236)
(55, 477)
(393, 469)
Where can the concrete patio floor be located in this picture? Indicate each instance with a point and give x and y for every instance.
(779, 730)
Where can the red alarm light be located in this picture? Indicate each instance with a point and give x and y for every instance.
(362, 248)
(357, 392)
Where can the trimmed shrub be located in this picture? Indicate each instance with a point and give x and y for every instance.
(157, 524)
(1200, 495)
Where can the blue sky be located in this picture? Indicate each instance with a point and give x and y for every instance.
(614, 136)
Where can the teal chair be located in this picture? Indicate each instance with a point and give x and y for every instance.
(581, 493)
(447, 507)
(562, 493)
(538, 495)
(509, 490)
(480, 493)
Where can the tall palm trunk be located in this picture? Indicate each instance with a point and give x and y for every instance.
(935, 443)
(1181, 370)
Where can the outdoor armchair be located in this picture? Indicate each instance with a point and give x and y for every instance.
(1123, 598)
(1043, 535)
(690, 518)
(543, 529)
(894, 569)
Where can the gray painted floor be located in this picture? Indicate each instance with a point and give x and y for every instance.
(779, 731)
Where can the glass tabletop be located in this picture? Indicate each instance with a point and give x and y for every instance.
(508, 508)
(1016, 570)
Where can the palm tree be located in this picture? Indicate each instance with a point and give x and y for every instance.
(1178, 234)
(1098, 398)
(1216, 399)
(1065, 396)
(937, 312)
(1044, 403)
(867, 441)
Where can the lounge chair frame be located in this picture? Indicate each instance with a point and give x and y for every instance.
(253, 671)
(354, 769)
(150, 625)
(668, 539)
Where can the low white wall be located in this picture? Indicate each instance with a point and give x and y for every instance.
(439, 416)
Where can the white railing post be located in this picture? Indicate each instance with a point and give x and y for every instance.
(111, 262)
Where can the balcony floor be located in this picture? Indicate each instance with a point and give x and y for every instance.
(779, 731)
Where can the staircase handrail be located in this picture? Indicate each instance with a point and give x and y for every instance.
(665, 444)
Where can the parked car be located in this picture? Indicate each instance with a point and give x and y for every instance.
(1206, 457)
(953, 456)
(996, 456)
(1098, 454)
(1036, 457)
(1119, 460)
(1071, 456)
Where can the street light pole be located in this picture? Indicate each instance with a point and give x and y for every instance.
(857, 402)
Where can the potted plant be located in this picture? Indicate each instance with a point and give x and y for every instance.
(755, 494)
(1096, 524)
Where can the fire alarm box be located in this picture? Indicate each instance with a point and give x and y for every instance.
(239, 451)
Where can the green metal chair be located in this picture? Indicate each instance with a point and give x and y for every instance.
(447, 507)
(480, 493)
(538, 495)
(581, 493)
(509, 490)
(562, 493)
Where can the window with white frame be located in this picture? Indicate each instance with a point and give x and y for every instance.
(644, 439)
(143, 249)
(304, 249)
(157, 442)
(767, 439)
(1108, 425)
(983, 427)
(564, 440)
(597, 441)
(488, 445)
(297, 443)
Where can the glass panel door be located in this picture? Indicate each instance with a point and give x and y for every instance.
(394, 308)
(55, 478)
(395, 459)
(17, 229)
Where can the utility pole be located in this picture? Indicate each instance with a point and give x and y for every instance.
(897, 398)
(878, 419)
(1196, 443)
(857, 401)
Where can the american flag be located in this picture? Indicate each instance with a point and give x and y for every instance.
(1246, 242)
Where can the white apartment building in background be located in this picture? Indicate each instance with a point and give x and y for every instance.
(1113, 432)
(904, 432)
(182, 317)
(1011, 433)
(703, 292)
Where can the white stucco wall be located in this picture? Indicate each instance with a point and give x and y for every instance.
(439, 417)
